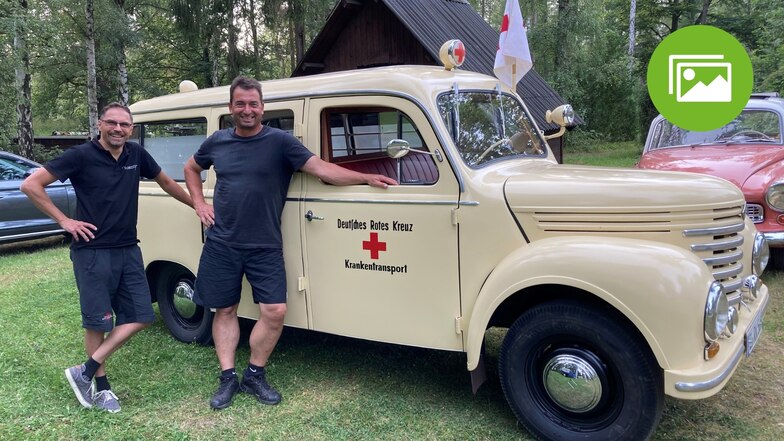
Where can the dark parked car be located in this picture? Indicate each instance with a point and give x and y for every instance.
(19, 218)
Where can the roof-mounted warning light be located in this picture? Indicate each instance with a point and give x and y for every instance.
(452, 54)
(188, 86)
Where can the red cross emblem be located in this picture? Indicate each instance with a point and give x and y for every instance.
(374, 246)
(458, 50)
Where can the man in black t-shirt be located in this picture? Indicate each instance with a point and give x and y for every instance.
(113, 291)
(253, 165)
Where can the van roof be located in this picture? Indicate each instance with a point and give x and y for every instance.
(415, 81)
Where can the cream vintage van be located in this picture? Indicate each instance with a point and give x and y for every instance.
(618, 286)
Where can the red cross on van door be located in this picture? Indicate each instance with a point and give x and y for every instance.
(374, 246)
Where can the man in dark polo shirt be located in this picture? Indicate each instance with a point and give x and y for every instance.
(113, 291)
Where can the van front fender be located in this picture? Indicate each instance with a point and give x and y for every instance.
(660, 288)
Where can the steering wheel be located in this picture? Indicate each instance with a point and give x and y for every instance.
(491, 148)
(751, 134)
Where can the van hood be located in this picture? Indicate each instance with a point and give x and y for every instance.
(603, 189)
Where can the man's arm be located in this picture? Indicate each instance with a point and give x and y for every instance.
(337, 175)
(170, 186)
(193, 181)
(35, 189)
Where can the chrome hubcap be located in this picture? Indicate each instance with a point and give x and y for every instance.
(183, 299)
(572, 383)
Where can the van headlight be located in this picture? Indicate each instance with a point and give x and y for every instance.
(775, 196)
(716, 312)
(760, 254)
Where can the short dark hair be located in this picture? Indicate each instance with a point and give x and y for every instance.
(244, 83)
(115, 105)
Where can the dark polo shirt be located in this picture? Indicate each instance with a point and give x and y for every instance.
(107, 191)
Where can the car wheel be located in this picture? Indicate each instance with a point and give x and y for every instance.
(187, 321)
(573, 371)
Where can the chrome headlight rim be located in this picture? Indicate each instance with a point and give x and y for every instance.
(760, 255)
(774, 197)
(716, 312)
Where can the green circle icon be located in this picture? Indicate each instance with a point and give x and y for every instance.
(700, 78)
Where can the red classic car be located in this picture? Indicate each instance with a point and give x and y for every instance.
(748, 152)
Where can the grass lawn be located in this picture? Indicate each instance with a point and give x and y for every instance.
(333, 387)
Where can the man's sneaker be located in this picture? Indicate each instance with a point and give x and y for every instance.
(82, 387)
(225, 394)
(106, 400)
(257, 385)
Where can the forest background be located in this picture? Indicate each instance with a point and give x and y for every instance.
(61, 60)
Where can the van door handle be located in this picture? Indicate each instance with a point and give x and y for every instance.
(310, 216)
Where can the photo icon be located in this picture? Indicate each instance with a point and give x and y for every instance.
(700, 78)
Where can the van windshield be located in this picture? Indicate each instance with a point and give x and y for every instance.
(487, 126)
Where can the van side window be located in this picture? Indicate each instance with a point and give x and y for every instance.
(279, 119)
(356, 138)
(171, 143)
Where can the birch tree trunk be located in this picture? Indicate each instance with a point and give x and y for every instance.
(92, 91)
(122, 68)
(632, 31)
(23, 114)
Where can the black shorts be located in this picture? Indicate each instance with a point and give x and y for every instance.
(112, 279)
(221, 267)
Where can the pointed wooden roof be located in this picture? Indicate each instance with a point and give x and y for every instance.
(431, 23)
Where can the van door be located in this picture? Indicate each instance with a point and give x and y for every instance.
(381, 264)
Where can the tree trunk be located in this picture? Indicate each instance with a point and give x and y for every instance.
(564, 16)
(233, 56)
(24, 117)
(255, 36)
(703, 18)
(298, 21)
(92, 95)
(632, 31)
(122, 69)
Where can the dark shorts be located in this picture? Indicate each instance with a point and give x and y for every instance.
(112, 279)
(221, 267)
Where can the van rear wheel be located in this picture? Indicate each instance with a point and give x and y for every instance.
(187, 321)
(574, 371)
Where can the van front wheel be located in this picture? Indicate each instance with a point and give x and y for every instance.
(573, 371)
(187, 321)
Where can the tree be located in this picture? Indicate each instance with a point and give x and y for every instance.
(23, 102)
(92, 93)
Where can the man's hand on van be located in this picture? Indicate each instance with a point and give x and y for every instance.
(205, 212)
(380, 181)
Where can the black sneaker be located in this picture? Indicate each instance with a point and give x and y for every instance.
(257, 386)
(225, 394)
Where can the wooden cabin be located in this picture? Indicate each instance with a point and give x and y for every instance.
(371, 33)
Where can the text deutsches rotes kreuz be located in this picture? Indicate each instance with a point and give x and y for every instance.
(354, 224)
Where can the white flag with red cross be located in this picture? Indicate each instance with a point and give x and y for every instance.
(513, 59)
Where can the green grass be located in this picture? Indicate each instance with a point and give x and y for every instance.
(616, 154)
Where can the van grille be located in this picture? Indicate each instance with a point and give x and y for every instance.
(714, 234)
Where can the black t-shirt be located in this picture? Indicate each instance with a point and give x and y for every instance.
(107, 191)
(253, 178)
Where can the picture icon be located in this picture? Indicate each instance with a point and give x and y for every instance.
(700, 78)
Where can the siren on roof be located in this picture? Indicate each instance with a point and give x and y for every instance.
(452, 54)
(188, 86)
